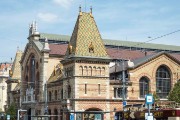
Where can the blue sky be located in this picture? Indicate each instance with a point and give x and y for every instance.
(132, 20)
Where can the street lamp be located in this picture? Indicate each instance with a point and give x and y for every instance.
(128, 64)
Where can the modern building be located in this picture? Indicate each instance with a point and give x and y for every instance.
(90, 77)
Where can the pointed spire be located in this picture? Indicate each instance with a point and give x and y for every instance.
(86, 40)
(17, 48)
(91, 9)
(80, 13)
(33, 28)
(79, 8)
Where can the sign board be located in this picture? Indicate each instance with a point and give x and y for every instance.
(149, 99)
(146, 115)
(8, 117)
(97, 116)
(78, 116)
(115, 117)
(150, 118)
(71, 116)
(124, 103)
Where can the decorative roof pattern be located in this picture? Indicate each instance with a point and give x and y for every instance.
(16, 69)
(86, 40)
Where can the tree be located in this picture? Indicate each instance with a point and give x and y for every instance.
(174, 95)
(12, 111)
(156, 99)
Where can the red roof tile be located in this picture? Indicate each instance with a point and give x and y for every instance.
(58, 49)
(114, 53)
(126, 54)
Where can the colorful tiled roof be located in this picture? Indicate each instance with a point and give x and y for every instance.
(86, 40)
(16, 69)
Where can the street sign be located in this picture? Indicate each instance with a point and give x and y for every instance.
(124, 103)
(8, 117)
(146, 115)
(71, 116)
(149, 99)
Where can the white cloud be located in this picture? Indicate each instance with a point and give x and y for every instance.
(63, 3)
(47, 17)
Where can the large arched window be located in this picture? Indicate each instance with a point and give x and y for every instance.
(163, 82)
(143, 87)
(33, 73)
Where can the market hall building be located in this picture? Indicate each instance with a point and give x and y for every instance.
(80, 74)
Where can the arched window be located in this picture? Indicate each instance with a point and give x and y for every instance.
(143, 87)
(98, 73)
(55, 95)
(56, 114)
(49, 112)
(94, 71)
(80, 70)
(62, 94)
(85, 71)
(61, 114)
(69, 91)
(49, 95)
(103, 71)
(33, 73)
(163, 82)
(90, 71)
(37, 82)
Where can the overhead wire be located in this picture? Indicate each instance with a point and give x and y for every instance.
(138, 44)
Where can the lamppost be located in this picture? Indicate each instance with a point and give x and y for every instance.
(125, 64)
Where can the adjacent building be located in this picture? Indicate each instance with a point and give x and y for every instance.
(14, 82)
(4, 74)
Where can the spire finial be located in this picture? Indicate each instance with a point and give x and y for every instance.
(91, 9)
(79, 8)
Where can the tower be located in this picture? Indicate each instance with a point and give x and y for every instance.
(86, 67)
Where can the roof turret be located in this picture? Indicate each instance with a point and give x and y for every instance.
(86, 40)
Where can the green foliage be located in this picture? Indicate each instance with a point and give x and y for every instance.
(174, 95)
(12, 111)
(155, 97)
